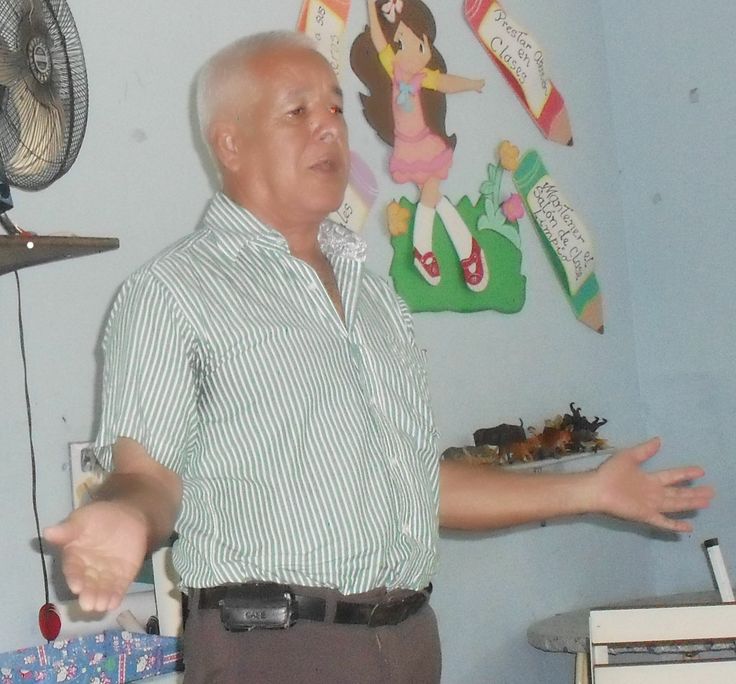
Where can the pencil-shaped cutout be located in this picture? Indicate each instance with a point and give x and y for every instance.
(359, 195)
(718, 566)
(564, 236)
(521, 61)
(325, 21)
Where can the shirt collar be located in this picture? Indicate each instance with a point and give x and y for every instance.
(234, 227)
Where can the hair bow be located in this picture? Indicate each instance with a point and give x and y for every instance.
(391, 8)
(403, 99)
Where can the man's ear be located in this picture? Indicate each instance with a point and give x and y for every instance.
(226, 145)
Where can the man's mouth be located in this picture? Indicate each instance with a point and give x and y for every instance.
(326, 165)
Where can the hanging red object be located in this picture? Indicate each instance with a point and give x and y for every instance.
(49, 621)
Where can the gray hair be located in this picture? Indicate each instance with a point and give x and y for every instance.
(223, 73)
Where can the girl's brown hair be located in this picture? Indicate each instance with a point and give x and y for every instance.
(377, 106)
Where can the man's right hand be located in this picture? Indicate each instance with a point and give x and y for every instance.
(102, 545)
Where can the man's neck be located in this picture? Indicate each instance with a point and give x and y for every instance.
(302, 240)
(301, 233)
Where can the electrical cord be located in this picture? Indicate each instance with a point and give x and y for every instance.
(34, 478)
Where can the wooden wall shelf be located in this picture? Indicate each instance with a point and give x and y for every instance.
(21, 251)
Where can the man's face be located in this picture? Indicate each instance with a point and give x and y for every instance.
(294, 157)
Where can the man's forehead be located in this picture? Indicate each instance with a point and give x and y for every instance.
(293, 63)
(304, 91)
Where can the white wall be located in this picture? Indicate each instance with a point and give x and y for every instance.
(139, 177)
(671, 73)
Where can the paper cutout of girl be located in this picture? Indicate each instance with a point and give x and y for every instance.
(407, 79)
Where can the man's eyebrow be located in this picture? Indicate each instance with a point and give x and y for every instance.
(298, 93)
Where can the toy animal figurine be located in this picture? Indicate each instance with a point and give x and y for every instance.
(576, 421)
(500, 435)
(555, 441)
(485, 453)
(583, 431)
(525, 451)
(505, 444)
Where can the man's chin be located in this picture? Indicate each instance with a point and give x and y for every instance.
(332, 203)
(324, 196)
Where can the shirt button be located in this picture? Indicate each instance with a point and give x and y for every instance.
(406, 528)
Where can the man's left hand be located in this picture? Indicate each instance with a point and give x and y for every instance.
(627, 491)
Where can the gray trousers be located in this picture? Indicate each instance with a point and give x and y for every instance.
(312, 652)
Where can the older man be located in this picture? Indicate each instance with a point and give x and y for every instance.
(264, 397)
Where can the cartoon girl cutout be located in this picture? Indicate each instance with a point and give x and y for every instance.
(407, 79)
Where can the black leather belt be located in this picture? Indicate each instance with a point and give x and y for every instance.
(268, 606)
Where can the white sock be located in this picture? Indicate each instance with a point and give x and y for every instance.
(423, 224)
(456, 228)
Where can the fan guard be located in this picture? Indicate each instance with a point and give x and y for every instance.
(43, 91)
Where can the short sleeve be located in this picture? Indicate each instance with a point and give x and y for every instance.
(386, 57)
(149, 390)
(431, 79)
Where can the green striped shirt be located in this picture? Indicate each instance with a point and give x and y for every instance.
(306, 444)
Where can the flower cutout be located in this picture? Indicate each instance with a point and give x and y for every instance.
(513, 208)
(391, 8)
(398, 219)
(508, 155)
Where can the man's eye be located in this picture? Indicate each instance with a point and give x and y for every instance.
(297, 111)
(336, 109)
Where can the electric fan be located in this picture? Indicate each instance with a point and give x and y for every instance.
(43, 112)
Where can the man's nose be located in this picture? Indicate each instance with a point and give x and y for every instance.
(328, 134)
(327, 124)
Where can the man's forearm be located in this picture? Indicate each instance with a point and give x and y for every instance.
(481, 497)
(475, 497)
(144, 487)
(144, 496)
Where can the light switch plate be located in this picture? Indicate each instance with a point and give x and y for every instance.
(86, 474)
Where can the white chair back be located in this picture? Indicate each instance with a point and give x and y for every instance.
(667, 630)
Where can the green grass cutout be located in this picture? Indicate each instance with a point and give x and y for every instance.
(506, 290)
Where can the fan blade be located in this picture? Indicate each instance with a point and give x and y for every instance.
(43, 91)
(40, 138)
(10, 70)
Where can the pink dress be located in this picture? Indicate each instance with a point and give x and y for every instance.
(418, 153)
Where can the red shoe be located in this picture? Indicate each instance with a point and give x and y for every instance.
(475, 268)
(428, 266)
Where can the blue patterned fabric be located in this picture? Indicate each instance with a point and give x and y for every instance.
(111, 657)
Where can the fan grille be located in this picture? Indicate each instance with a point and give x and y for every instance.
(44, 97)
